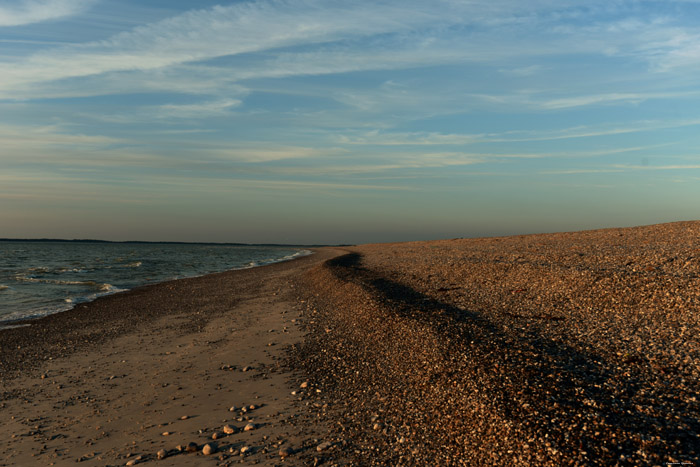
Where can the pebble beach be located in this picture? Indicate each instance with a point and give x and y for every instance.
(574, 348)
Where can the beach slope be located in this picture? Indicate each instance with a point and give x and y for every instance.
(115, 381)
(575, 348)
(561, 349)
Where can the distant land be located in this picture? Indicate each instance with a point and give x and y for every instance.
(141, 242)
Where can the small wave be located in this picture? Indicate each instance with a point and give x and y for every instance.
(37, 280)
(12, 326)
(39, 270)
(135, 264)
(62, 270)
(4, 287)
(296, 255)
(88, 283)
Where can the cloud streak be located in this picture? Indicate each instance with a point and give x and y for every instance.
(220, 31)
(22, 12)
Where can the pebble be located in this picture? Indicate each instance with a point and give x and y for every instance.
(208, 449)
(323, 446)
(229, 430)
(166, 433)
(249, 427)
(191, 447)
(284, 452)
(216, 435)
(245, 449)
(304, 385)
(184, 417)
(162, 454)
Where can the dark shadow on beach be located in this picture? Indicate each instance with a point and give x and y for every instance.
(582, 402)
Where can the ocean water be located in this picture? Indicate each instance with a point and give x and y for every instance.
(40, 278)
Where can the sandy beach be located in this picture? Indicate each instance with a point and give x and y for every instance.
(120, 379)
(556, 349)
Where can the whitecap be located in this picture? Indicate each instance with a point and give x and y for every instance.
(62, 270)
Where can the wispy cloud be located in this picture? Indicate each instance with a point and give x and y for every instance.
(20, 139)
(220, 31)
(21, 12)
(255, 154)
(658, 167)
(396, 138)
(202, 110)
(523, 71)
(545, 101)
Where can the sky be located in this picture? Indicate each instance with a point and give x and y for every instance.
(307, 121)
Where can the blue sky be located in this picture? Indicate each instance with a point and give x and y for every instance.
(334, 121)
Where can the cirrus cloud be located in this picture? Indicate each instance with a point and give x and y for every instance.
(36, 11)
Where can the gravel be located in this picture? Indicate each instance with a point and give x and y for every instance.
(555, 349)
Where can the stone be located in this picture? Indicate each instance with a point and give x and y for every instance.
(229, 430)
(191, 447)
(245, 449)
(249, 427)
(284, 452)
(162, 454)
(166, 433)
(323, 446)
(184, 417)
(304, 385)
(216, 435)
(209, 449)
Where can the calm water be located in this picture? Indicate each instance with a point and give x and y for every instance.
(42, 278)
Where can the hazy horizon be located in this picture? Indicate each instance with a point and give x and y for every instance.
(328, 122)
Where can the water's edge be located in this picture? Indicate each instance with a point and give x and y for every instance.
(28, 320)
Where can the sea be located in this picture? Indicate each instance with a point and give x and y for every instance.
(38, 278)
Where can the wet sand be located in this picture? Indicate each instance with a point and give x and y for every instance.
(561, 349)
(102, 384)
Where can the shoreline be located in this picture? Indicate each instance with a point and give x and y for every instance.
(26, 320)
(97, 312)
(161, 366)
(541, 350)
